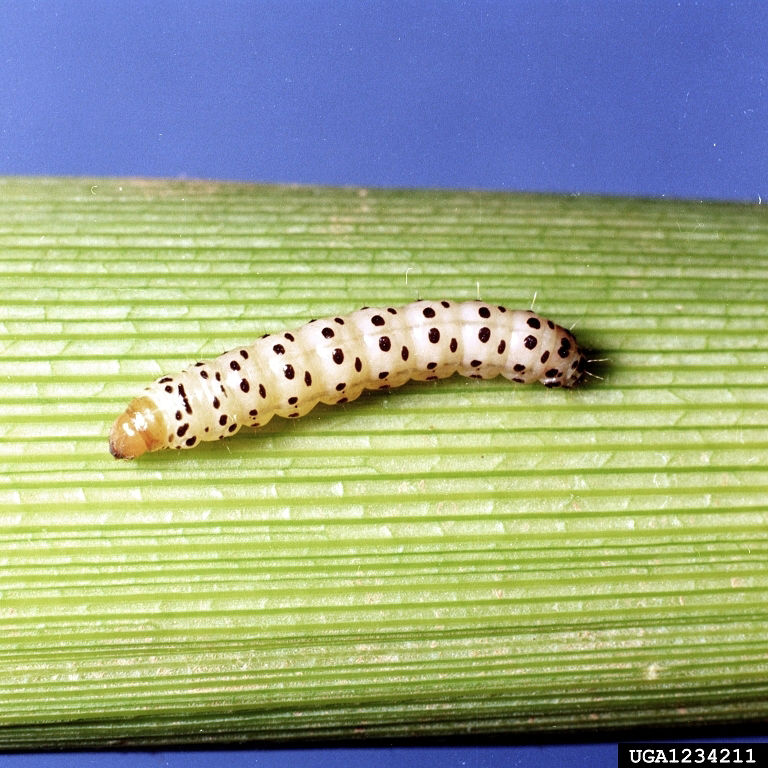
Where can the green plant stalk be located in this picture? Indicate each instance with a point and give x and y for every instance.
(464, 557)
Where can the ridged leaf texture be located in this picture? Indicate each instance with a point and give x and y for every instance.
(441, 559)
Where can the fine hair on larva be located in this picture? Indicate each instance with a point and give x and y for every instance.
(332, 360)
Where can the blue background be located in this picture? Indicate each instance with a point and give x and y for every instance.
(663, 99)
(611, 97)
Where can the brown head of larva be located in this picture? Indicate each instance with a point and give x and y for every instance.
(138, 429)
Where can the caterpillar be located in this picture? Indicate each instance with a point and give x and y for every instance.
(334, 359)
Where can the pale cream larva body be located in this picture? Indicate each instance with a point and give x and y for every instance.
(334, 359)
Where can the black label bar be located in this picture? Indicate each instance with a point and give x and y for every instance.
(666, 753)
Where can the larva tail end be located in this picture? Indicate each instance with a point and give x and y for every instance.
(136, 431)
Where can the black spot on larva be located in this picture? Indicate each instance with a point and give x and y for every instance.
(434, 378)
(289, 336)
(232, 428)
(197, 365)
(278, 349)
(534, 322)
(255, 424)
(551, 373)
(358, 364)
(218, 376)
(170, 438)
(377, 320)
(338, 320)
(552, 384)
(293, 400)
(340, 386)
(203, 374)
(293, 415)
(168, 388)
(192, 440)
(472, 376)
(207, 429)
(234, 365)
(182, 430)
(582, 363)
(253, 412)
(187, 406)
(288, 371)
(502, 346)
(262, 391)
(476, 363)
(454, 345)
(223, 419)
(178, 415)
(484, 312)
(428, 312)
(216, 402)
(265, 335)
(338, 356)
(328, 332)
(243, 354)
(519, 367)
(342, 400)
(551, 325)
(530, 342)
(244, 385)
(501, 309)
(565, 348)
(545, 357)
(434, 335)
(404, 353)
(385, 344)
(391, 310)
(308, 378)
(385, 386)
(446, 304)
(518, 380)
(383, 374)
(164, 379)
(431, 366)
(484, 334)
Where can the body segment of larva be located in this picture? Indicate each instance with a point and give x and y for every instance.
(334, 359)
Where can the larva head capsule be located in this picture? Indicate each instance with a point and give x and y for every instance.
(140, 428)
